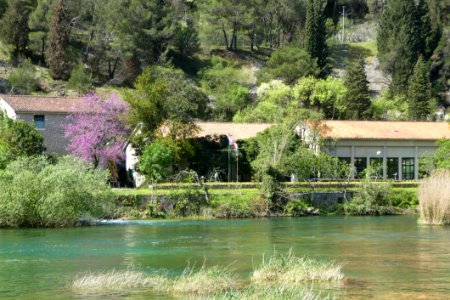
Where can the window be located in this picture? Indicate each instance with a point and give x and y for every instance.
(39, 122)
(392, 168)
(360, 166)
(345, 160)
(408, 168)
(376, 163)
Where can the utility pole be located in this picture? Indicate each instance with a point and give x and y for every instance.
(343, 24)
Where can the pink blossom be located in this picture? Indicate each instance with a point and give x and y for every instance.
(98, 133)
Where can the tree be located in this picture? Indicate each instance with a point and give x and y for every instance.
(419, 92)
(98, 134)
(57, 54)
(157, 158)
(14, 26)
(357, 98)
(290, 64)
(186, 40)
(316, 33)
(39, 23)
(80, 80)
(405, 32)
(324, 95)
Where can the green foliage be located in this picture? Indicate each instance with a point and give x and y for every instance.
(186, 40)
(316, 33)
(18, 139)
(80, 80)
(274, 104)
(14, 26)
(157, 158)
(296, 208)
(289, 64)
(23, 79)
(57, 54)
(187, 203)
(324, 95)
(404, 198)
(419, 92)
(442, 155)
(405, 32)
(36, 193)
(357, 99)
(390, 107)
(228, 85)
(372, 199)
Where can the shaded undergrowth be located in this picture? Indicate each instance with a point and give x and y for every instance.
(281, 276)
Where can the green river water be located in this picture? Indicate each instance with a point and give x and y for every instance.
(385, 257)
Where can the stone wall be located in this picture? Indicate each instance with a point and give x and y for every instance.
(53, 132)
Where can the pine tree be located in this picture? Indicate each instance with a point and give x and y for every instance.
(315, 43)
(358, 101)
(399, 42)
(419, 92)
(14, 26)
(429, 33)
(57, 52)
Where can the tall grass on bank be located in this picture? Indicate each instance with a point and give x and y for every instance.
(434, 198)
(279, 277)
(204, 282)
(291, 270)
(117, 280)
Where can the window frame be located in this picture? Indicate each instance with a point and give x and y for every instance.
(40, 121)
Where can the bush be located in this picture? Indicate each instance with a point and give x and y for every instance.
(372, 199)
(36, 193)
(80, 80)
(404, 198)
(434, 198)
(23, 79)
(187, 203)
(296, 208)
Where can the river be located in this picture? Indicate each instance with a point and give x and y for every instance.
(384, 257)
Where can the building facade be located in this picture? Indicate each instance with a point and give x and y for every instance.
(48, 114)
(395, 148)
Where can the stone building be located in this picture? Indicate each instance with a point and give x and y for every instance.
(394, 146)
(48, 114)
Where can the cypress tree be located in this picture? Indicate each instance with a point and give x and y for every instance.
(14, 26)
(399, 42)
(429, 33)
(419, 92)
(316, 34)
(57, 52)
(358, 96)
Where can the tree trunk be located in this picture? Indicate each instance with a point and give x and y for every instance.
(225, 36)
(112, 69)
(43, 52)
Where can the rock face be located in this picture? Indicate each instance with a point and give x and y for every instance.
(378, 81)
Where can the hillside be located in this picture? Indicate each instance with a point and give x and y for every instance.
(225, 51)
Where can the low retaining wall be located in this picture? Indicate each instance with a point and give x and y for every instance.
(321, 199)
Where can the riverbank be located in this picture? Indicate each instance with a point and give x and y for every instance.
(246, 201)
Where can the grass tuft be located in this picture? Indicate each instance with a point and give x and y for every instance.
(204, 282)
(434, 198)
(118, 280)
(289, 269)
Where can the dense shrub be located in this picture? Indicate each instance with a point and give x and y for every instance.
(36, 193)
(296, 208)
(187, 203)
(404, 198)
(372, 199)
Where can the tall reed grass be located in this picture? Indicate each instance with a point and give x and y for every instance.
(434, 198)
(289, 269)
(278, 277)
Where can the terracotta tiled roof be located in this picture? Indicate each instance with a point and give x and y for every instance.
(385, 130)
(45, 104)
(238, 131)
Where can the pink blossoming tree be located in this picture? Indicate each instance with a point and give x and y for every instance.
(98, 132)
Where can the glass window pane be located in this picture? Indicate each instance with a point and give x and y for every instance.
(39, 121)
(392, 168)
(360, 166)
(408, 168)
